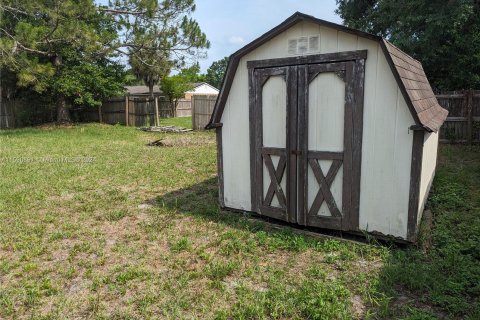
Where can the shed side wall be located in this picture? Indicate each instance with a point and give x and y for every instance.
(429, 163)
(387, 142)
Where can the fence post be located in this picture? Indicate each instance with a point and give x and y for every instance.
(156, 112)
(193, 112)
(469, 117)
(14, 115)
(145, 111)
(126, 110)
(100, 119)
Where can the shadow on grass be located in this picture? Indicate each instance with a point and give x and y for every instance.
(201, 200)
(443, 283)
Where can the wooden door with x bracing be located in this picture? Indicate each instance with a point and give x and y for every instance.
(306, 119)
(273, 110)
(329, 131)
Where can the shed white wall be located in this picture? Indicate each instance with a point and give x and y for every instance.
(274, 116)
(429, 163)
(387, 142)
(326, 114)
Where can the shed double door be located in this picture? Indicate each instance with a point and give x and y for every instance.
(304, 122)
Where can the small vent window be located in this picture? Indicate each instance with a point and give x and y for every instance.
(314, 43)
(304, 45)
(292, 46)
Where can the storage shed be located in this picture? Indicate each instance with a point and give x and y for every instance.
(322, 125)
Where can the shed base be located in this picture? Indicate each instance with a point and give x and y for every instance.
(322, 233)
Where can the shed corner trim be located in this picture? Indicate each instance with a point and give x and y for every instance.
(415, 178)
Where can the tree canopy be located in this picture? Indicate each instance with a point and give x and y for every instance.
(70, 49)
(216, 72)
(192, 73)
(159, 36)
(52, 45)
(443, 35)
(175, 86)
(150, 67)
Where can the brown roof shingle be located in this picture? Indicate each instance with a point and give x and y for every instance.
(430, 114)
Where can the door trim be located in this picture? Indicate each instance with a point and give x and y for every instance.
(356, 77)
(348, 158)
(311, 59)
(257, 78)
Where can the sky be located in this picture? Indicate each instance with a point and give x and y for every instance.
(229, 25)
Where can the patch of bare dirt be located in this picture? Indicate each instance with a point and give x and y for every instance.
(64, 196)
(358, 307)
(183, 141)
(54, 125)
(405, 299)
(367, 265)
(60, 255)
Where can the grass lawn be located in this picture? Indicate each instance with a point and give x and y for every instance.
(185, 122)
(95, 224)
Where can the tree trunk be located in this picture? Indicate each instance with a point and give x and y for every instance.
(63, 114)
(175, 105)
(150, 90)
(172, 107)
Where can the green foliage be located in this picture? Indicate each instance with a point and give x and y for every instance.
(443, 35)
(192, 73)
(89, 83)
(57, 48)
(69, 49)
(216, 72)
(181, 245)
(162, 26)
(174, 87)
(131, 79)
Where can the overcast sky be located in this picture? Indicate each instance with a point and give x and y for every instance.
(229, 25)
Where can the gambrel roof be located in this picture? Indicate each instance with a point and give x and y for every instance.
(419, 93)
(408, 72)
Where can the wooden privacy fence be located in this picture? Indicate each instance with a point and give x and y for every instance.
(463, 121)
(184, 108)
(8, 110)
(202, 109)
(17, 113)
(135, 111)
